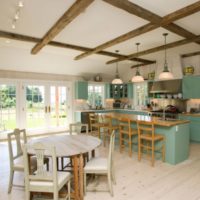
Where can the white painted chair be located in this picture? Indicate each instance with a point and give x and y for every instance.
(102, 166)
(43, 180)
(16, 157)
(75, 128)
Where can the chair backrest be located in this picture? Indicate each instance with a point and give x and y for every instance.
(111, 150)
(19, 138)
(39, 150)
(125, 124)
(108, 120)
(146, 127)
(77, 127)
(93, 118)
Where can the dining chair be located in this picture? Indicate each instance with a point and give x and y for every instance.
(149, 141)
(44, 181)
(18, 136)
(96, 124)
(102, 166)
(126, 135)
(76, 128)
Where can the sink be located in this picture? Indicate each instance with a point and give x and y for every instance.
(167, 119)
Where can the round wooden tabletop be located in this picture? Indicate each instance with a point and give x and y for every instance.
(70, 145)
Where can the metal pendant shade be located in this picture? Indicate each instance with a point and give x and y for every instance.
(166, 74)
(137, 78)
(117, 79)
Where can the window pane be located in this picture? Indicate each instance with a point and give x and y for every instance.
(58, 114)
(95, 95)
(7, 107)
(35, 108)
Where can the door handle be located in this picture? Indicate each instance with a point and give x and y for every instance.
(45, 109)
(49, 109)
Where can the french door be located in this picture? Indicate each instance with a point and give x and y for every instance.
(47, 106)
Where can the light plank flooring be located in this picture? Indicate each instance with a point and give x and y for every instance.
(135, 180)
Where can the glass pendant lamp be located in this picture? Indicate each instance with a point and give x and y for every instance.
(137, 78)
(117, 79)
(166, 74)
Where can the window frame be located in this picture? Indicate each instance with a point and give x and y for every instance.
(93, 84)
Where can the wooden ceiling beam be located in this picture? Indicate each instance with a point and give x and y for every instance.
(159, 48)
(186, 11)
(143, 29)
(141, 65)
(76, 9)
(156, 21)
(190, 54)
(24, 38)
(165, 21)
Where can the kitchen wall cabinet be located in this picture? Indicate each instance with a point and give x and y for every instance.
(81, 90)
(107, 91)
(190, 87)
(130, 90)
(117, 91)
(194, 127)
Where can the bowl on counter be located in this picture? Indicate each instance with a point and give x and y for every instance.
(162, 96)
(169, 96)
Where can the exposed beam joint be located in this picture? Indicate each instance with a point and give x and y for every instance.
(14, 36)
(76, 9)
(156, 21)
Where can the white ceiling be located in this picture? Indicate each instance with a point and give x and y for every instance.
(99, 23)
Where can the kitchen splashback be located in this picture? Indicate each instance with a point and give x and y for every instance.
(162, 103)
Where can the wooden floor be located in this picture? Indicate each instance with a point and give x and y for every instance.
(135, 180)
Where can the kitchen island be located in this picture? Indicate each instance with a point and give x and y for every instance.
(176, 132)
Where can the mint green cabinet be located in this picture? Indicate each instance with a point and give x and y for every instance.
(130, 90)
(194, 127)
(107, 91)
(81, 90)
(117, 91)
(190, 87)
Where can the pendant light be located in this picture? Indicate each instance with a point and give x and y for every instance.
(166, 74)
(137, 78)
(117, 79)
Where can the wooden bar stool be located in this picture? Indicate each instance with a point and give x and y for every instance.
(96, 124)
(147, 139)
(109, 127)
(126, 130)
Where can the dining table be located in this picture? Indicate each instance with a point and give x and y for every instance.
(74, 147)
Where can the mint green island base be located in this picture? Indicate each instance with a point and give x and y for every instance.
(177, 142)
(177, 133)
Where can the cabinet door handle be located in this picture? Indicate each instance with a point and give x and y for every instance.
(45, 109)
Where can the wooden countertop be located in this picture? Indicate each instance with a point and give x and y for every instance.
(158, 121)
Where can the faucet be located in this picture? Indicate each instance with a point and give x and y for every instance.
(164, 112)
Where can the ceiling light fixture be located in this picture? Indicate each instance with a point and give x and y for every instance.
(166, 74)
(21, 4)
(117, 79)
(137, 78)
